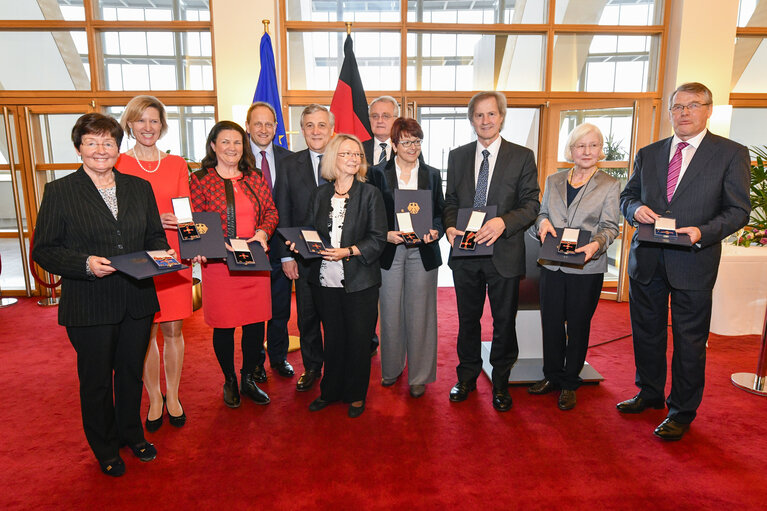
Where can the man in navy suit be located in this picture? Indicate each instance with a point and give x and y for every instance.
(702, 181)
(490, 171)
(382, 112)
(262, 125)
(302, 176)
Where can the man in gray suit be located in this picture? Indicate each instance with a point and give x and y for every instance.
(490, 171)
(701, 180)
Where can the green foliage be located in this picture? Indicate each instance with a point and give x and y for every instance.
(755, 233)
(613, 151)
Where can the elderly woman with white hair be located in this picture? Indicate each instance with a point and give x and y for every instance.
(584, 198)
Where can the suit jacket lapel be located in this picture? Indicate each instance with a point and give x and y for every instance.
(703, 153)
(468, 164)
(661, 163)
(123, 193)
(91, 194)
(307, 170)
(391, 175)
(498, 172)
(423, 178)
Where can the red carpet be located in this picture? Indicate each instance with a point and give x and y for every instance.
(402, 453)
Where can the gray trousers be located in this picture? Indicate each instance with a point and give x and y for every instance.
(409, 318)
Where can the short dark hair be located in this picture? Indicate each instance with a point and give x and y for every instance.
(692, 88)
(96, 124)
(247, 161)
(403, 126)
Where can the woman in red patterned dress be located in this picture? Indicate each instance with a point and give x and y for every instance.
(144, 120)
(230, 184)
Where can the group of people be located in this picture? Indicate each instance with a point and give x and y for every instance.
(344, 189)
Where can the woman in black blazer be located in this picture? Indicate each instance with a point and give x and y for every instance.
(351, 214)
(84, 219)
(409, 276)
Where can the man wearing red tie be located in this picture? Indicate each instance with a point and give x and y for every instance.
(702, 181)
(261, 123)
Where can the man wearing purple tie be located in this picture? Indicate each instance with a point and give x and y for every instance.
(261, 123)
(702, 181)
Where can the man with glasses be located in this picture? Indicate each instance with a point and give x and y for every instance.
(261, 122)
(702, 181)
(382, 112)
(302, 176)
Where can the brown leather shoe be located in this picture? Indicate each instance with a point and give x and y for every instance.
(306, 380)
(566, 400)
(638, 404)
(671, 430)
(542, 387)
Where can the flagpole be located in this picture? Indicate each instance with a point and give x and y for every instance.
(348, 28)
(266, 25)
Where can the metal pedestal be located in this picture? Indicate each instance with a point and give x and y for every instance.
(755, 383)
(7, 302)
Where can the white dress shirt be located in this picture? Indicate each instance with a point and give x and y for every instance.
(493, 148)
(377, 150)
(315, 157)
(687, 153)
(412, 183)
(269, 158)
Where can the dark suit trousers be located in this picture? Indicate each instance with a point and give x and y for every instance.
(473, 278)
(110, 365)
(690, 322)
(308, 320)
(348, 320)
(277, 341)
(568, 302)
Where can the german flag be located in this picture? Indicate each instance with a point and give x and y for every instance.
(349, 104)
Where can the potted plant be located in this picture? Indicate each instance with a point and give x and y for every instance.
(755, 233)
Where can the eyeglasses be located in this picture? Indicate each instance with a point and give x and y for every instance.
(261, 125)
(383, 117)
(582, 147)
(350, 155)
(692, 107)
(408, 143)
(109, 146)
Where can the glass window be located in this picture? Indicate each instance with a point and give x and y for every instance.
(609, 12)
(55, 144)
(605, 63)
(748, 126)
(479, 11)
(752, 13)
(347, 10)
(749, 64)
(188, 128)
(69, 10)
(153, 10)
(474, 61)
(60, 61)
(614, 123)
(315, 59)
(157, 60)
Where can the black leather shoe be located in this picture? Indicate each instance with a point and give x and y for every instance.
(259, 374)
(306, 380)
(501, 399)
(638, 404)
(144, 451)
(249, 388)
(178, 420)
(356, 411)
(114, 467)
(284, 369)
(155, 424)
(542, 387)
(671, 430)
(566, 400)
(460, 391)
(318, 404)
(231, 392)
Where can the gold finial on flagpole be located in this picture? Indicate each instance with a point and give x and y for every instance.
(348, 28)
(266, 25)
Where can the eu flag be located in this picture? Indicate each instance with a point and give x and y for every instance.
(266, 90)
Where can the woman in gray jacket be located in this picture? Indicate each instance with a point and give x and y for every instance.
(583, 198)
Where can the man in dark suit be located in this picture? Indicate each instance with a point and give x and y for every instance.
(261, 121)
(302, 176)
(490, 171)
(382, 113)
(702, 181)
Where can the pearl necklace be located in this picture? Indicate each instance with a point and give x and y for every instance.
(159, 160)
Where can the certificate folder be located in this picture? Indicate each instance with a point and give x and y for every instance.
(549, 249)
(140, 265)
(211, 242)
(463, 219)
(646, 233)
(260, 259)
(294, 235)
(418, 204)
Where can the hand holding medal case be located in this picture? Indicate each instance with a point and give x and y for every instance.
(413, 215)
(470, 221)
(207, 226)
(247, 256)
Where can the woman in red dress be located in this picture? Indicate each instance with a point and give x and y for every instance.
(144, 120)
(230, 184)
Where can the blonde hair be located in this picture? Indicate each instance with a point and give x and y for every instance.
(328, 165)
(579, 132)
(135, 109)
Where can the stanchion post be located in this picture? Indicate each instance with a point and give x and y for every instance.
(52, 300)
(755, 382)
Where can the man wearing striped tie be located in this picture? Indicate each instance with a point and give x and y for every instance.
(382, 113)
(702, 181)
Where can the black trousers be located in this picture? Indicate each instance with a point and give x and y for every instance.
(348, 320)
(568, 302)
(277, 340)
(110, 366)
(252, 343)
(473, 279)
(308, 320)
(690, 323)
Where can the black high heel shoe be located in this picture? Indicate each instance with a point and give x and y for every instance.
(178, 420)
(155, 424)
